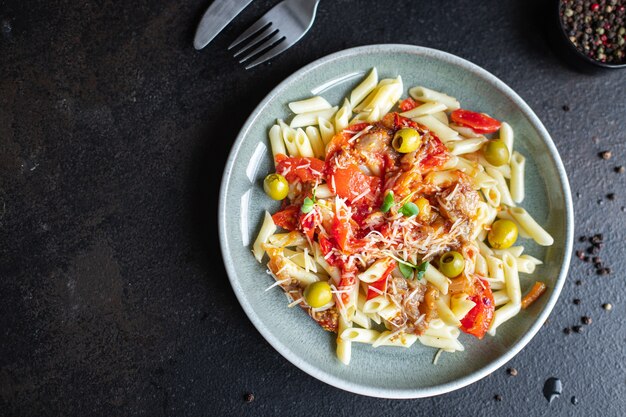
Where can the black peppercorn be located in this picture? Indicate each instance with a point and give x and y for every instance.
(577, 329)
(576, 301)
(585, 320)
(567, 330)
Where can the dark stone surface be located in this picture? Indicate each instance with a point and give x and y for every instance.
(113, 136)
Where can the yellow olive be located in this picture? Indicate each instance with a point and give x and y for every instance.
(424, 206)
(503, 234)
(406, 140)
(318, 294)
(276, 186)
(496, 152)
(451, 264)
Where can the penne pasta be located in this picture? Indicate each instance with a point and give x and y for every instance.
(303, 144)
(319, 150)
(312, 118)
(439, 280)
(503, 314)
(426, 94)
(342, 117)
(506, 136)
(443, 132)
(268, 228)
(289, 137)
(276, 142)
(344, 347)
(536, 232)
(424, 109)
(309, 105)
(465, 146)
(518, 164)
(327, 130)
(511, 278)
(505, 194)
(364, 88)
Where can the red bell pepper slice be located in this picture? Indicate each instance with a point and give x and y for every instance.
(478, 122)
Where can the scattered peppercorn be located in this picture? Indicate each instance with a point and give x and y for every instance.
(249, 397)
(608, 270)
(597, 259)
(585, 320)
(582, 239)
(611, 196)
(565, 107)
(623, 208)
(576, 301)
(579, 282)
(606, 155)
(497, 397)
(567, 330)
(607, 306)
(586, 259)
(574, 400)
(577, 329)
(512, 371)
(620, 169)
(580, 254)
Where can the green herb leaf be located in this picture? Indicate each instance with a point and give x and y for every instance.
(388, 202)
(405, 269)
(307, 205)
(409, 210)
(421, 269)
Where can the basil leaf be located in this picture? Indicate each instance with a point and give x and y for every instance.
(307, 205)
(421, 269)
(405, 269)
(409, 210)
(387, 202)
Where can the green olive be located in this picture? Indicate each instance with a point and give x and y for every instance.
(496, 152)
(276, 186)
(451, 264)
(318, 294)
(503, 234)
(406, 140)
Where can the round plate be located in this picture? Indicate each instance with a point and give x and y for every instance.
(390, 372)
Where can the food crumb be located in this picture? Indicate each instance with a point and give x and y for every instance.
(577, 329)
(606, 155)
(497, 397)
(607, 306)
(511, 371)
(567, 330)
(574, 400)
(585, 320)
(620, 169)
(249, 397)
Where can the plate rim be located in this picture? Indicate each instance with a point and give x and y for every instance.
(394, 393)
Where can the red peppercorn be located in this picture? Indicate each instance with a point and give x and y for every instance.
(595, 6)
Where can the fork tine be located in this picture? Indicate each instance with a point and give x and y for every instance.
(257, 39)
(280, 47)
(274, 39)
(256, 26)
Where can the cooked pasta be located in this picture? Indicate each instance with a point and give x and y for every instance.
(392, 215)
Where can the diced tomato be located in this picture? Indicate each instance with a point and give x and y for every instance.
(437, 154)
(342, 233)
(395, 121)
(357, 127)
(287, 218)
(478, 122)
(350, 182)
(479, 318)
(381, 284)
(298, 167)
(307, 224)
(408, 104)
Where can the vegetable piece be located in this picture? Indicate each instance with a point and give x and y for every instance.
(307, 205)
(535, 292)
(276, 186)
(381, 284)
(436, 154)
(503, 234)
(318, 294)
(478, 122)
(388, 202)
(409, 210)
(408, 104)
(423, 205)
(421, 269)
(405, 269)
(406, 140)
(300, 168)
(451, 264)
(287, 218)
(350, 182)
(479, 318)
(496, 152)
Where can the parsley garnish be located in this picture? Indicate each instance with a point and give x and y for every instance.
(388, 202)
(409, 210)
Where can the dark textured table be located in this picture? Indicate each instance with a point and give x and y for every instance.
(113, 137)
